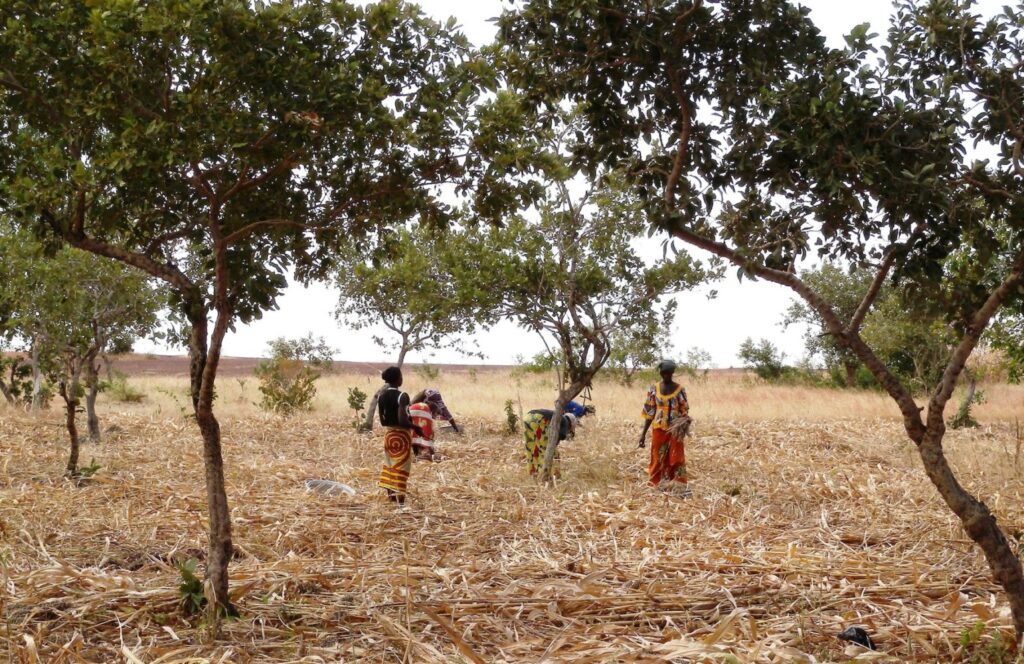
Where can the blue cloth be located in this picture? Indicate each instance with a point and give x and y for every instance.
(575, 408)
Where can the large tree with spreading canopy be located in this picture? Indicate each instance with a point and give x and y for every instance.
(747, 138)
(216, 146)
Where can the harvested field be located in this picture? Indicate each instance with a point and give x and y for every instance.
(798, 528)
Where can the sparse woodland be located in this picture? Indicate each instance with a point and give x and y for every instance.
(167, 167)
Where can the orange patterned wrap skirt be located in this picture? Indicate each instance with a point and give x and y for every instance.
(394, 475)
(668, 458)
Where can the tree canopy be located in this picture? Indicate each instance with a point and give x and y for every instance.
(216, 146)
(746, 137)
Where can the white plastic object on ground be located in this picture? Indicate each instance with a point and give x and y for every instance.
(329, 488)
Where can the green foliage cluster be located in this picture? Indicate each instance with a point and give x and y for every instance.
(511, 419)
(764, 359)
(191, 598)
(288, 378)
(980, 645)
(15, 380)
(427, 371)
(119, 389)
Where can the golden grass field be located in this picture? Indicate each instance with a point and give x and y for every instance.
(810, 514)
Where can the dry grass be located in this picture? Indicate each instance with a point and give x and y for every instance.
(801, 524)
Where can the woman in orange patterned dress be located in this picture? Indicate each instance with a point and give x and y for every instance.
(398, 428)
(666, 404)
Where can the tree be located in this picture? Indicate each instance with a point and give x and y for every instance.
(216, 146)
(907, 335)
(763, 358)
(72, 306)
(848, 154)
(418, 283)
(574, 278)
(641, 347)
(845, 290)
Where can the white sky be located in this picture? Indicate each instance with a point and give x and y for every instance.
(718, 326)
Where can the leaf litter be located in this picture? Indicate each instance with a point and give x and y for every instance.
(796, 530)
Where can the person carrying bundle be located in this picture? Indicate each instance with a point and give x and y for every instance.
(666, 412)
(535, 430)
(398, 429)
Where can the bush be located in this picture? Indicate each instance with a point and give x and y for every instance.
(511, 420)
(288, 378)
(16, 374)
(120, 390)
(427, 372)
(764, 359)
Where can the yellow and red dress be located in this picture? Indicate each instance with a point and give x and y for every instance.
(668, 456)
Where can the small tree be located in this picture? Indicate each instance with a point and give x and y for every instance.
(216, 146)
(288, 378)
(763, 358)
(575, 278)
(72, 305)
(417, 284)
(641, 347)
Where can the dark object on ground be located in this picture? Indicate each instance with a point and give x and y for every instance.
(857, 635)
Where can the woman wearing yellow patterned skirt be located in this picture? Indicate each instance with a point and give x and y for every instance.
(398, 428)
(535, 430)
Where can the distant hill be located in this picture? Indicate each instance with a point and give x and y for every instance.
(136, 364)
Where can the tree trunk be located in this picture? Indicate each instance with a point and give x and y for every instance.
(564, 397)
(963, 414)
(37, 379)
(203, 376)
(371, 410)
(978, 521)
(401, 356)
(92, 381)
(4, 390)
(554, 427)
(851, 373)
(69, 391)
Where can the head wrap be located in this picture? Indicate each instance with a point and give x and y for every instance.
(573, 420)
(666, 365)
(391, 374)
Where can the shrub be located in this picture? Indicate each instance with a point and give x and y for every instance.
(288, 378)
(511, 420)
(427, 372)
(119, 389)
(763, 358)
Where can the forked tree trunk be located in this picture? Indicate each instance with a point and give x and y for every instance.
(92, 382)
(203, 369)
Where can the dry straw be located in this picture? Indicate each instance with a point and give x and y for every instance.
(797, 529)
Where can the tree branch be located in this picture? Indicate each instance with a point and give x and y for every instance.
(869, 297)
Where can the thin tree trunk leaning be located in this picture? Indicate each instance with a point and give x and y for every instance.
(69, 392)
(37, 379)
(6, 392)
(963, 414)
(371, 410)
(564, 397)
(975, 516)
(92, 382)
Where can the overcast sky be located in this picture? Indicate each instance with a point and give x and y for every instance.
(718, 326)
